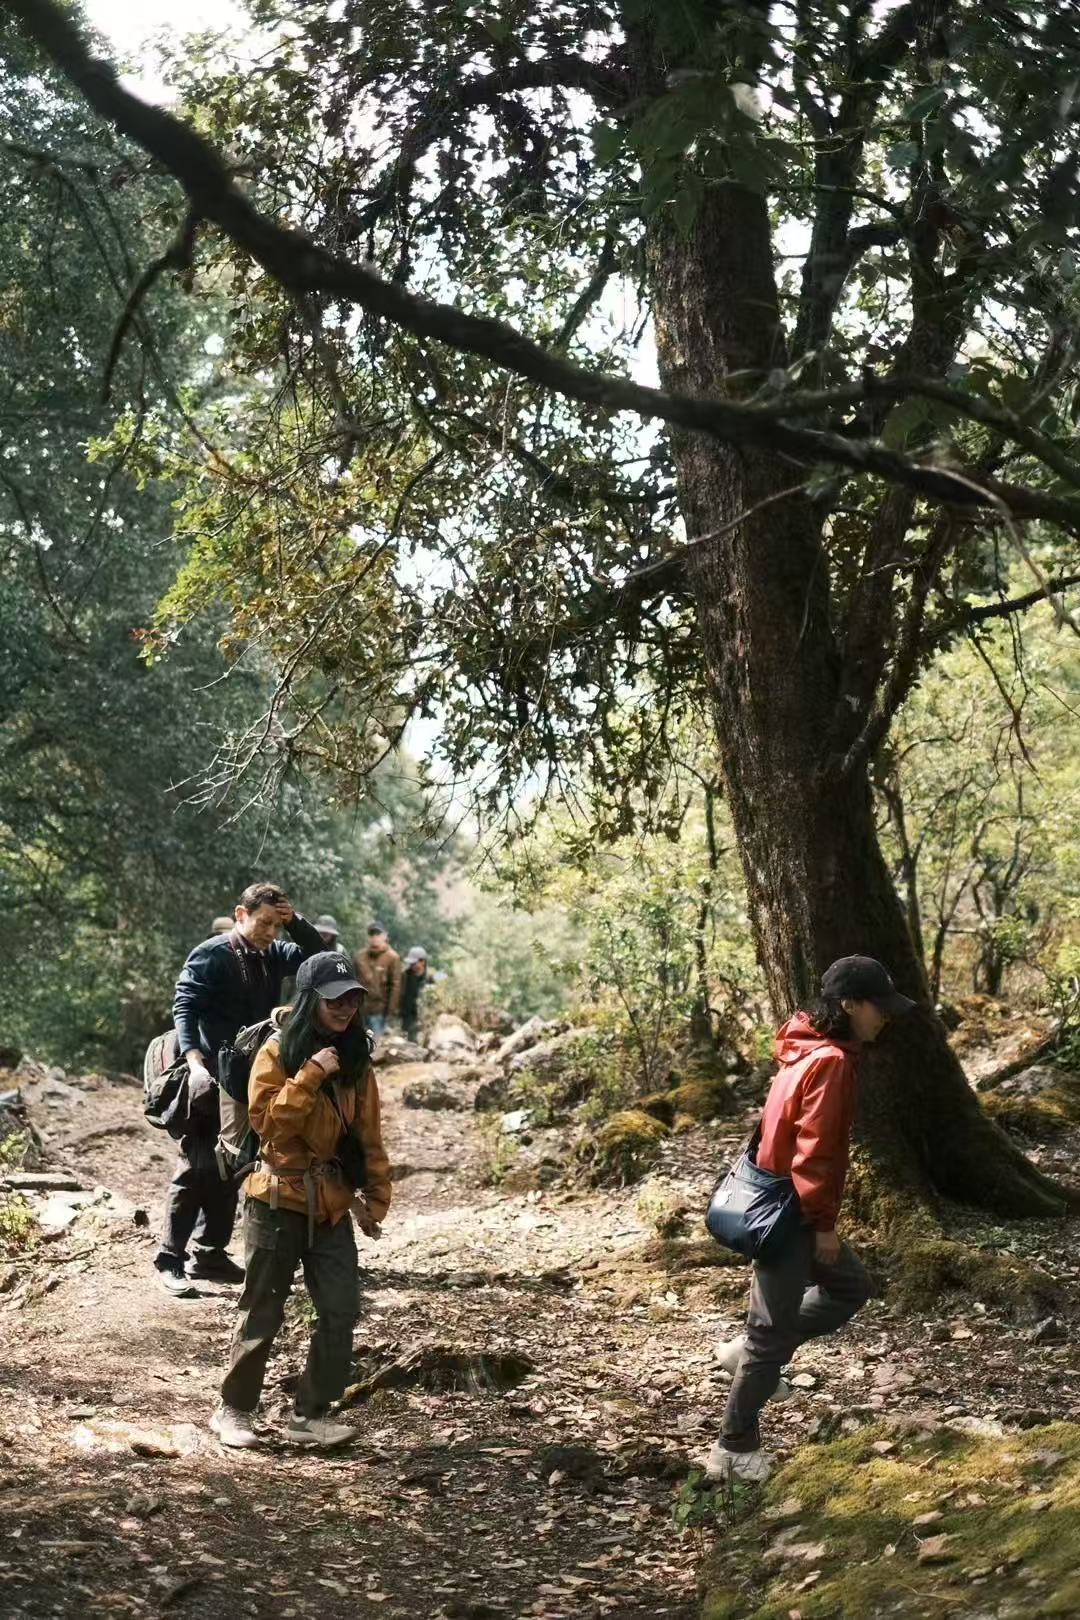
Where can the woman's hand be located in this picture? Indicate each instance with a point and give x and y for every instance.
(364, 1218)
(327, 1060)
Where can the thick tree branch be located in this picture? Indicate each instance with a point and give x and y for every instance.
(608, 84)
(970, 616)
(301, 266)
(838, 154)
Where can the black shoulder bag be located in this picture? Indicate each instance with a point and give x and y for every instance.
(349, 1154)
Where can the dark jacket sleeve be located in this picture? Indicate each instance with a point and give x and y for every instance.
(195, 994)
(304, 941)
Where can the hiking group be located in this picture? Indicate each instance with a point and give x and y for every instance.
(267, 1082)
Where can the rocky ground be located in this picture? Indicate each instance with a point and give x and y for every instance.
(533, 1382)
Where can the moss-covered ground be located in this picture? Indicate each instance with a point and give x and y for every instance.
(929, 1523)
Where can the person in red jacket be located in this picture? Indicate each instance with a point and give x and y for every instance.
(819, 1283)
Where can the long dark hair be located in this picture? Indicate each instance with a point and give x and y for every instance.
(829, 1018)
(301, 1037)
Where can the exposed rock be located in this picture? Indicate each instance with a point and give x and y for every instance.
(451, 1039)
(557, 1066)
(394, 1049)
(623, 1148)
(477, 1074)
(1049, 1331)
(52, 1181)
(434, 1094)
(698, 1100)
(492, 1094)
(547, 1058)
(536, 1029)
(1040, 1102)
(995, 1043)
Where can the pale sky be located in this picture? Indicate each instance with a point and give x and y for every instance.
(131, 30)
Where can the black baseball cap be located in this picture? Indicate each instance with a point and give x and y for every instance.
(329, 973)
(862, 978)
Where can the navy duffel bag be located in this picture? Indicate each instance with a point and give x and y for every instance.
(753, 1211)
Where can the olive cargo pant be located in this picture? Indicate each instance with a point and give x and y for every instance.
(275, 1243)
(794, 1299)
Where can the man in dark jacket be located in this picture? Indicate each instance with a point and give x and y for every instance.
(227, 982)
(414, 982)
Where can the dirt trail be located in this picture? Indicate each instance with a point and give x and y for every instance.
(541, 1499)
(546, 1495)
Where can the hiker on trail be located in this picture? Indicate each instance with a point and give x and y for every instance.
(378, 967)
(313, 1101)
(329, 932)
(415, 981)
(223, 925)
(817, 1283)
(227, 982)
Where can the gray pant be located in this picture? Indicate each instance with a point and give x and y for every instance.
(275, 1243)
(794, 1299)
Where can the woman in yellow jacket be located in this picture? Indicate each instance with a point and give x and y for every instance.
(314, 1104)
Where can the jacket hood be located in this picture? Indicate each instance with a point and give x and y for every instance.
(797, 1038)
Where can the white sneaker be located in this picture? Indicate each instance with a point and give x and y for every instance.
(233, 1427)
(309, 1431)
(750, 1467)
(729, 1354)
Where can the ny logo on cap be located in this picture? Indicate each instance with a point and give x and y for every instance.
(343, 967)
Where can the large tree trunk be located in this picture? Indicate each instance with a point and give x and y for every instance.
(817, 882)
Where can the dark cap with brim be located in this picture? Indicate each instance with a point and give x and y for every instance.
(862, 978)
(328, 972)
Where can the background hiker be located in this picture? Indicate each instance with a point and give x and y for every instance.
(329, 932)
(222, 925)
(314, 1103)
(228, 981)
(414, 982)
(818, 1283)
(378, 967)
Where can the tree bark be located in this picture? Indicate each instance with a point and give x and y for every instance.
(817, 881)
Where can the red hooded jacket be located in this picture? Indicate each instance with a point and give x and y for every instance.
(808, 1116)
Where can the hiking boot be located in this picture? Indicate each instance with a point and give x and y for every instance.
(172, 1279)
(233, 1427)
(728, 1356)
(310, 1431)
(746, 1467)
(214, 1265)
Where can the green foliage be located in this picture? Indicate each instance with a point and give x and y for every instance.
(499, 1151)
(981, 788)
(507, 962)
(18, 1228)
(116, 850)
(13, 1150)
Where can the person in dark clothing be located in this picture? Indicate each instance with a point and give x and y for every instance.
(819, 1282)
(227, 982)
(414, 982)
